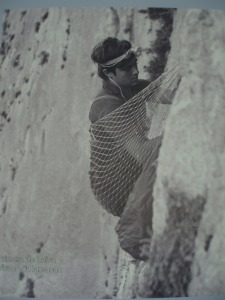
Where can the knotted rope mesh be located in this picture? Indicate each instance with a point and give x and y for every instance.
(126, 140)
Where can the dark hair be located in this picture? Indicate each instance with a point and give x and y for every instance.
(108, 49)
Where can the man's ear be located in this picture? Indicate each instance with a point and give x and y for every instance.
(108, 74)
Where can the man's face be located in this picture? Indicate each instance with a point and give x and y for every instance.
(128, 75)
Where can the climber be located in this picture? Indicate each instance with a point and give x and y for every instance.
(126, 132)
(117, 66)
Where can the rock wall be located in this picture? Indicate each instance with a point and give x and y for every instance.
(46, 206)
(188, 244)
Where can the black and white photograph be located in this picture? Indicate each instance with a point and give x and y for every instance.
(112, 161)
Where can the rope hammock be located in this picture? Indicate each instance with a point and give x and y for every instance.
(126, 140)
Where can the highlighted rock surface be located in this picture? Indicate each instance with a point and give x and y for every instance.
(188, 243)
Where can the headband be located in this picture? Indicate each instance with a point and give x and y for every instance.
(126, 55)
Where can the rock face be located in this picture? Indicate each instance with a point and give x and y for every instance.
(47, 210)
(46, 206)
(188, 244)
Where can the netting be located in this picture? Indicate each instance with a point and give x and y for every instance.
(129, 138)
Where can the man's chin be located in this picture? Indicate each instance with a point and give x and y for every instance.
(134, 82)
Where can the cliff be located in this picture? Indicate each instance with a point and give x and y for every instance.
(47, 208)
(48, 215)
(187, 247)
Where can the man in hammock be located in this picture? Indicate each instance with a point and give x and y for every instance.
(118, 145)
(117, 66)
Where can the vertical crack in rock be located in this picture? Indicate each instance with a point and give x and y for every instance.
(107, 277)
(129, 26)
(3, 201)
(116, 20)
(45, 16)
(3, 94)
(26, 79)
(64, 55)
(5, 47)
(161, 47)
(17, 94)
(172, 253)
(44, 55)
(21, 276)
(14, 167)
(16, 61)
(208, 242)
(4, 118)
(43, 19)
(39, 248)
(7, 12)
(37, 26)
(4, 207)
(12, 36)
(23, 13)
(68, 29)
(115, 287)
(23, 28)
(5, 26)
(4, 114)
(43, 142)
(106, 262)
(29, 289)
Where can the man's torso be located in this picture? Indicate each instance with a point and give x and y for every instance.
(110, 97)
